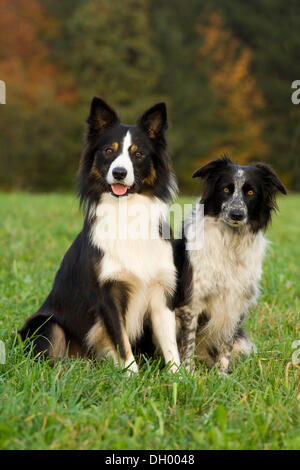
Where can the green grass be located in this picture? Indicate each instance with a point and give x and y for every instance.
(80, 404)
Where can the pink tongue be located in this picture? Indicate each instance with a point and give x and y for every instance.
(119, 189)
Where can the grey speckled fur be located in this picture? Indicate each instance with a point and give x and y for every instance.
(226, 273)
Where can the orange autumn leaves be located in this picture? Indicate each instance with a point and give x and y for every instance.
(240, 105)
(54, 58)
(25, 63)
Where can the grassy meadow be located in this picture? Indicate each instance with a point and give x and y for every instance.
(80, 404)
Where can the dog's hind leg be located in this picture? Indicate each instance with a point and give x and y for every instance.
(58, 342)
(103, 345)
(109, 336)
(48, 338)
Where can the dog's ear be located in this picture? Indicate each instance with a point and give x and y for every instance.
(211, 169)
(101, 116)
(271, 182)
(154, 120)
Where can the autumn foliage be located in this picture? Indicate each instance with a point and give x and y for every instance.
(225, 88)
(239, 101)
(25, 58)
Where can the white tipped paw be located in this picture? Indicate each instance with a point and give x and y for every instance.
(131, 366)
(174, 367)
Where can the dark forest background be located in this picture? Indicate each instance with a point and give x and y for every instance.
(224, 68)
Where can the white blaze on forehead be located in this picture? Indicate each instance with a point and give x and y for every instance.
(239, 180)
(123, 161)
(236, 201)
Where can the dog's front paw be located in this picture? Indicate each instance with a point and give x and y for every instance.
(223, 366)
(189, 366)
(131, 367)
(174, 367)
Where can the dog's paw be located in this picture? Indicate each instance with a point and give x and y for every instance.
(131, 367)
(190, 366)
(173, 367)
(223, 366)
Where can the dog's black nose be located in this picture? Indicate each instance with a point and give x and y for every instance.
(119, 173)
(236, 215)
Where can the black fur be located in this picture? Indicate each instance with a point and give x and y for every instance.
(103, 131)
(184, 283)
(217, 175)
(260, 178)
(242, 199)
(77, 299)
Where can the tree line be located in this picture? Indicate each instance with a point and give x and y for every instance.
(224, 69)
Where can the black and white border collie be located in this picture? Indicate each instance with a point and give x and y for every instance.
(108, 284)
(225, 268)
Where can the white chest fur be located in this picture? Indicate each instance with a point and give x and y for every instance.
(228, 257)
(127, 232)
(226, 271)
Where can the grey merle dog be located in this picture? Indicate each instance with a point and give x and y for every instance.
(224, 272)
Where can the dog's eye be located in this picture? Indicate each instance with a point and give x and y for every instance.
(108, 151)
(226, 190)
(250, 192)
(139, 154)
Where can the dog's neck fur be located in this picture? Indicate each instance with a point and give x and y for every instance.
(227, 268)
(233, 243)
